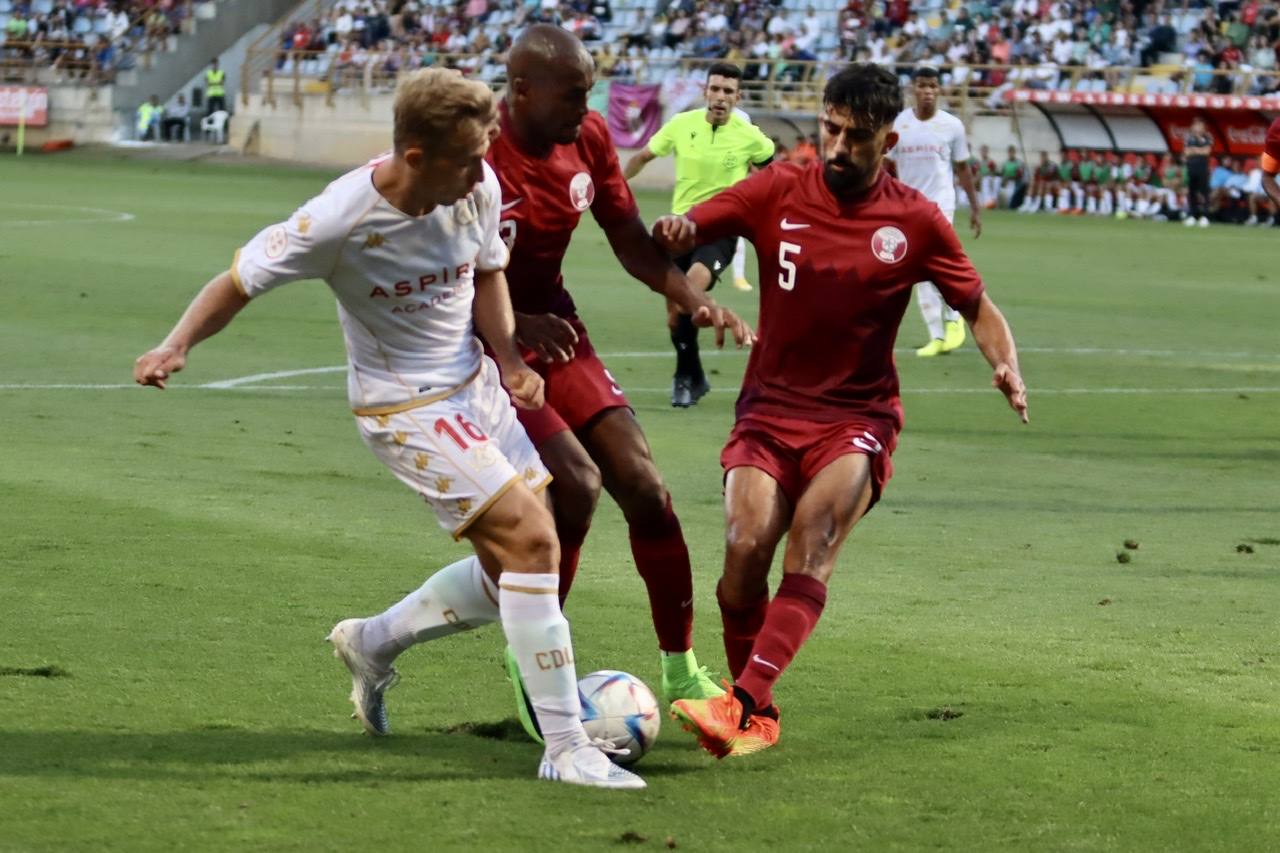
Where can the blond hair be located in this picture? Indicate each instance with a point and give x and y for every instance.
(434, 105)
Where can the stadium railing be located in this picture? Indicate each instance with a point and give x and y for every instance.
(28, 61)
(773, 86)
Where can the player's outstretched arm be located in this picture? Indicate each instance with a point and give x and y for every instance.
(208, 314)
(995, 340)
(637, 163)
(644, 259)
(496, 323)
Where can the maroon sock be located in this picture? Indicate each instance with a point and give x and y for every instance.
(662, 558)
(792, 614)
(570, 551)
(741, 625)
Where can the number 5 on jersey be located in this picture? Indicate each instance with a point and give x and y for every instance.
(787, 267)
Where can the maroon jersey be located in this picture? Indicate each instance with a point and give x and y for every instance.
(835, 278)
(1271, 149)
(542, 200)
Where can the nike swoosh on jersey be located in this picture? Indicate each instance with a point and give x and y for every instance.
(793, 226)
(511, 204)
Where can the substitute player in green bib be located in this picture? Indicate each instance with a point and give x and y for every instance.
(715, 147)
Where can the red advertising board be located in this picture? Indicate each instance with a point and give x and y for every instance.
(12, 100)
(1235, 122)
(1196, 101)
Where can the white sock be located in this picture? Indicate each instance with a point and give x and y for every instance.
(1064, 199)
(1091, 205)
(930, 302)
(1079, 194)
(538, 635)
(457, 598)
(1105, 205)
(740, 260)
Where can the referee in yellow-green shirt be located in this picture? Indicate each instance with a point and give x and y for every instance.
(715, 148)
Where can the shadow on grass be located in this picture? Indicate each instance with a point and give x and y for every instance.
(300, 756)
(471, 751)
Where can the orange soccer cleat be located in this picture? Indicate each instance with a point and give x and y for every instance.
(716, 722)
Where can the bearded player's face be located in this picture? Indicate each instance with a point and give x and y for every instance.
(851, 150)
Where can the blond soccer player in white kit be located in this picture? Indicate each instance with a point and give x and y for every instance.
(409, 245)
(931, 156)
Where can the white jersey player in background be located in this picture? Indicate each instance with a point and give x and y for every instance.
(409, 245)
(931, 155)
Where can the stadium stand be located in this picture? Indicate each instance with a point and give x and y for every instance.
(1034, 43)
(84, 40)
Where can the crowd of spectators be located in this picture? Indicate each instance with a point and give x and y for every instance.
(1049, 44)
(1042, 43)
(86, 38)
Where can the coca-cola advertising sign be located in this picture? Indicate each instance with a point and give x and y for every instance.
(14, 100)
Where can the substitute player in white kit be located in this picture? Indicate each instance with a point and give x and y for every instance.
(409, 245)
(931, 155)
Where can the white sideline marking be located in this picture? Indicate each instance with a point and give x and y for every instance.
(278, 374)
(239, 381)
(666, 390)
(107, 215)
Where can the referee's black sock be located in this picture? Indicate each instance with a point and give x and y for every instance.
(685, 338)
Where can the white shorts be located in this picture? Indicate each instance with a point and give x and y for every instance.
(461, 453)
(950, 213)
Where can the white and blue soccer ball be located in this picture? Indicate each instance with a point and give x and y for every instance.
(620, 709)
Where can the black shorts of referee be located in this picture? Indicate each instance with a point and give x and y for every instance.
(716, 257)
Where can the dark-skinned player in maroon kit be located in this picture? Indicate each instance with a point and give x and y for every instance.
(840, 244)
(555, 161)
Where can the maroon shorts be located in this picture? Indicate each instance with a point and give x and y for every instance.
(793, 451)
(576, 392)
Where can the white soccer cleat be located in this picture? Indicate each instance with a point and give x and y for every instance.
(368, 680)
(587, 765)
(1204, 222)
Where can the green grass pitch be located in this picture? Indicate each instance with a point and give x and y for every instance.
(988, 675)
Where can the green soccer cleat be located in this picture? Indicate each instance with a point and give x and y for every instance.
(682, 678)
(953, 335)
(929, 350)
(524, 707)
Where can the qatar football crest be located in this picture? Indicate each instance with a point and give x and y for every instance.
(582, 191)
(889, 244)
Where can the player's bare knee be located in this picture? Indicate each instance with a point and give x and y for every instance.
(642, 496)
(812, 549)
(542, 551)
(747, 550)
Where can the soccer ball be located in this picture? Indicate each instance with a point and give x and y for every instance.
(618, 708)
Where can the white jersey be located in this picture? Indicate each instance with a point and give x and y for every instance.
(405, 284)
(925, 153)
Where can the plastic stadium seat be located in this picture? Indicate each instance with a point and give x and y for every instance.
(6, 6)
(214, 126)
(82, 26)
(42, 7)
